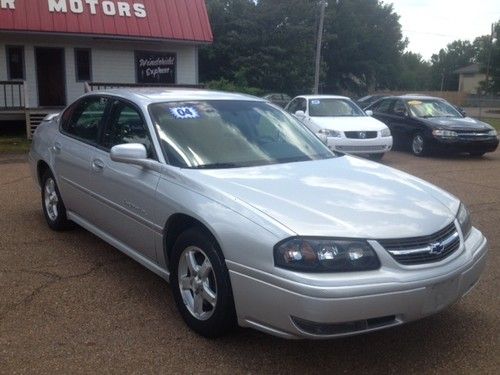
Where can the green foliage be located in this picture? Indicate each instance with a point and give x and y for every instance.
(263, 46)
(491, 52)
(456, 55)
(414, 73)
(226, 85)
(270, 44)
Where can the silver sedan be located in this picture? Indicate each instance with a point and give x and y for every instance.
(252, 219)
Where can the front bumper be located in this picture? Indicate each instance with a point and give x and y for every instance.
(290, 309)
(461, 145)
(377, 145)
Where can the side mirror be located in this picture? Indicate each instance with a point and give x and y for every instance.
(369, 112)
(130, 153)
(300, 114)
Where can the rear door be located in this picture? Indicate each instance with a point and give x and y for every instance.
(73, 149)
(126, 193)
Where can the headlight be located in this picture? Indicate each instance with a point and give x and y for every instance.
(463, 217)
(444, 133)
(493, 133)
(330, 133)
(325, 255)
(385, 132)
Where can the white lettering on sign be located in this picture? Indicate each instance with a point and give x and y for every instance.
(58, 6)
(109, 8)
(124, 9)
(76, 6)
(140, 10)
(9, 4)
(92, 4)
(183, 113)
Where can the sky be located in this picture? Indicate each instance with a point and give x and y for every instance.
(430, 25)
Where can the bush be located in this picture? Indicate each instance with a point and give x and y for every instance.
(226, 85)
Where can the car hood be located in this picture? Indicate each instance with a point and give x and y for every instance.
(340, 197)
(458, 123)
(361, 123)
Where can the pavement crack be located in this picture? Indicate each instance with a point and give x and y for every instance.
(54, 278)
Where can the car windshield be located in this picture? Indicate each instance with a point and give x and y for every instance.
(333, 108)
(428, 108)
(232, 134)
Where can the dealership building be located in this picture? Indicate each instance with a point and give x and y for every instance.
(52, 51)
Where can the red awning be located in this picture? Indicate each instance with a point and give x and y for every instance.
(185, 20)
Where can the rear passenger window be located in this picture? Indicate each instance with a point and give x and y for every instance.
(83, 119)
(126, 126)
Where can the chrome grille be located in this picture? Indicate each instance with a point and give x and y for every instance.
(361, 135)
(425, 249)
(361, 148)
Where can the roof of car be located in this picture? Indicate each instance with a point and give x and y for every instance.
(411, 97)
(322, 97)
(157, 95)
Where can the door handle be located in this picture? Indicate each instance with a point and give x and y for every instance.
(97, 165)
(57, 148)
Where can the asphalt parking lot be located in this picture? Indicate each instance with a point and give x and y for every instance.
(70, 303)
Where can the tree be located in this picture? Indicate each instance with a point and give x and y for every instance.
(414, 73)
(456, 55)
(364, 43)
(269, 44)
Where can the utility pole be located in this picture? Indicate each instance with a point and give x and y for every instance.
(323, 4)
(492, 36)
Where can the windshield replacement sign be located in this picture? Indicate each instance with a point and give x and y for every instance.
(154, 67)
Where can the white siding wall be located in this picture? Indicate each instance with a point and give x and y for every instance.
(112, 61)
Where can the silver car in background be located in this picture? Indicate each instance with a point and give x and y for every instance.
(252, 219)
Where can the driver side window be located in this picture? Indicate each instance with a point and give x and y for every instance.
(126, 125)
(400, 109)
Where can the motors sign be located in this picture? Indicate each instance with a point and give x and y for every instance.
(108, 8)
(171, 20)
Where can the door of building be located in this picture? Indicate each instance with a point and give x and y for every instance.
(50, 77)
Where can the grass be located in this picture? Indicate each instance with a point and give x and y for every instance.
(14, 144)
(495, 122)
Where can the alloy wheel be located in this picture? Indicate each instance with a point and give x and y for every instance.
(51, 199)
(417, 144)
(197, 283)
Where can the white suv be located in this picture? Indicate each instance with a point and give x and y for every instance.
(342, 125)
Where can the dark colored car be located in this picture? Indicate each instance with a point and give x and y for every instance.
(368, 100)
(279, 99)
(428, 124)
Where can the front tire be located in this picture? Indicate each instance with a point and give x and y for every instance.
(53, 205)
(201, 285)
(418, 145)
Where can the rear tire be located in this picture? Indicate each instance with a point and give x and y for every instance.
(418, 145)
(201, 285)
(53, 205)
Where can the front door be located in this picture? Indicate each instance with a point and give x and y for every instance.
(126, 193)
(50, 77)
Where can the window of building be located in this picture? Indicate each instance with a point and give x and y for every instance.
(15, 62)
(83, 64)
